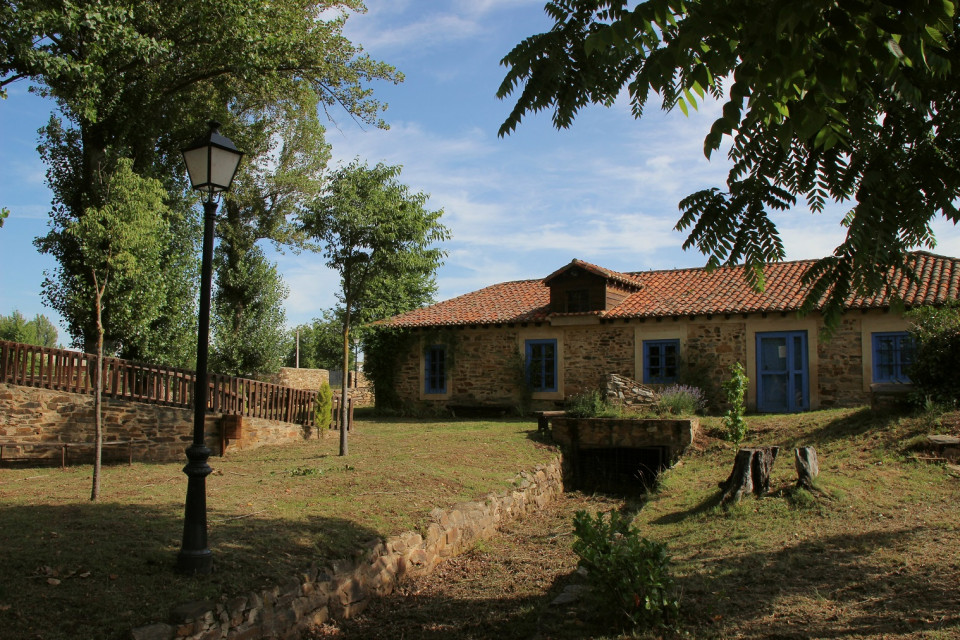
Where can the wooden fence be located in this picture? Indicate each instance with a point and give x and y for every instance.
(75, 372)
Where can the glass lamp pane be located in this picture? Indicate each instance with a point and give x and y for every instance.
(223, 164)
(196, 161)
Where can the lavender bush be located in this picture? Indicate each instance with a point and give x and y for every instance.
(681, 399)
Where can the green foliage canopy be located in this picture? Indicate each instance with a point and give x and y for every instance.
(936, 341)
(132, 79)
(249, 339)
(822, 101)
(121, 244)
(321, 345)
(382, 241)
(39, 331)
(380, 238)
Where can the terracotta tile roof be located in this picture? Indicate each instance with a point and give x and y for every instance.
(682, 292)
(520, 301)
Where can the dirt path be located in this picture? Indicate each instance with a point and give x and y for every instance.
(502, 589)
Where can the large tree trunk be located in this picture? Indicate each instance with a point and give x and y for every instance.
(751, 473)
(98, 401)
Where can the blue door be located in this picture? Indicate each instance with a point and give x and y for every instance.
(782, 380)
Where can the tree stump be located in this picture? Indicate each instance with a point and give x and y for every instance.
(751, 473)
(805, 459)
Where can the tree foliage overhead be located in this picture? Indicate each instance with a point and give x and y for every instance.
(822, 101)
(135, 79)
(380, 238)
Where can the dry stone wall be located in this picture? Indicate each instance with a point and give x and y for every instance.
(294, 378)
(590, 353)
(626, 393)
(344, 588)
(161, 434)
(841, 366)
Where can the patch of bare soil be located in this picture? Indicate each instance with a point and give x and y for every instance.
(502, 589)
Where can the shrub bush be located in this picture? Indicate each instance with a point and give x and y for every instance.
(589, 404)
(936, 337)
(324, 407)
(681, 400)
(736, 389)
(627, 574)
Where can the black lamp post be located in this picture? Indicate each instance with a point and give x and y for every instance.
(212, 162)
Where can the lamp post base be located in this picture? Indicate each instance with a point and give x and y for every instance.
(194, 556)
(195, 562)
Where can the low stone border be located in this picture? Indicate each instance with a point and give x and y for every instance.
(345, 588)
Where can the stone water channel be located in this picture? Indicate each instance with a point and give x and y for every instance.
(523, 582)
(520, 584)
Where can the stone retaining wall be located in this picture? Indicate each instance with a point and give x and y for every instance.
(593, 433)
(345, 587)
(310, 379)
(28, 414)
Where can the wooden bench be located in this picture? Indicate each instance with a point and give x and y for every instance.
(544, 417)
(64, 448)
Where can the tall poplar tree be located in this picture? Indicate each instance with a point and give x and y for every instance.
(383, 242)
(135, 78)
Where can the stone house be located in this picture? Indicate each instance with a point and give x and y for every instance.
(561, 335)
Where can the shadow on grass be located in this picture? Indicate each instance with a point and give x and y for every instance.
(852, 426)
(88, 570)
(438, 616)
(706, 505)
(833, 587)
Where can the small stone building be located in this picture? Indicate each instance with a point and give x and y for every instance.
(541, 341)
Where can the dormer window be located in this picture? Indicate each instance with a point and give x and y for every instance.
(578, 300)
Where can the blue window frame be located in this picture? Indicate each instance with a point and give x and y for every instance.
(892, 356)
(660, 361)
(435, 369)
(542, 364)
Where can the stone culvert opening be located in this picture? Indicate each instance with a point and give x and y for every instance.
(620, 470)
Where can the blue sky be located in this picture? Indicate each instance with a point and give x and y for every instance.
(605, 190)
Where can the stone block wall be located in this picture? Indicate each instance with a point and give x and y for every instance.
(485, 367)
(344, 588)
(841, 366)
(28, 414)
(590, 353)
(294, 378)
(711, 349)
(592, 433)
(626, 393)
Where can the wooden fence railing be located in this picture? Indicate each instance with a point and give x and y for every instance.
(75, 372)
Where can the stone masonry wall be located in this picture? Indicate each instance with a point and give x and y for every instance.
(162, 433)
(626, 393)
(590, 353)
(717, 347)
(344, 588)
(591, 433)
(484, 367)
(294, 378)
(841, 366)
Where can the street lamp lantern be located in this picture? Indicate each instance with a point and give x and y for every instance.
(212, 163)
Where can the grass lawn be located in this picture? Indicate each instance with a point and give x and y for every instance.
(877, 555)
(76, 569)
